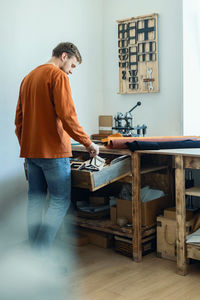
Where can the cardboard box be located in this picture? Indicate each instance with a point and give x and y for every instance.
(97, 238)
(170, 213)
(166, 236)
(105, 124)
(150, 210)
(124, 209)
(98, 137)
(113, 214)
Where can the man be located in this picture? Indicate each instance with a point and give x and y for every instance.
(45, 120)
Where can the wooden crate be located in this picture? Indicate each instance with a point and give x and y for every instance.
(166, 236)
(125, 247)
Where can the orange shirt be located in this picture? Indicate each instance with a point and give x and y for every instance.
(45, 115)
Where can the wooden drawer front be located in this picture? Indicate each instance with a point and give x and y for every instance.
(95, 180)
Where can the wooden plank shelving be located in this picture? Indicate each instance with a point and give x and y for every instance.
(141, 164)
(105, 225)
(193, 191)
(144, 170)
(150, 169)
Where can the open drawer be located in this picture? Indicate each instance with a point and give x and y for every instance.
(118, 168)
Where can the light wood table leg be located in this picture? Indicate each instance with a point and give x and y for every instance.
(136, 208)
(180, 215)
(171, 185)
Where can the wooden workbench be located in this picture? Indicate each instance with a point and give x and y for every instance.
(183, 159)
(138, 167)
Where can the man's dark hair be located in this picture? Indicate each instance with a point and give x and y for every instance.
(69, 48)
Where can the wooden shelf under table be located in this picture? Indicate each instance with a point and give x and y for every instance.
(105, 225)
(145, 170)
(193, 191)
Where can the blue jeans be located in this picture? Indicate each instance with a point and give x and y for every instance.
(52, 175)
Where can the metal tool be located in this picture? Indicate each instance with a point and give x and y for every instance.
(124, 124)
(94, 164)
(149, 71)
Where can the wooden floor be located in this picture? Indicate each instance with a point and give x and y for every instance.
(93, 273)
(102, 274)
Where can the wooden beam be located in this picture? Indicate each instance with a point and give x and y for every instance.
(135, 18)
(191, 163)
(180, 215)
(136, 208)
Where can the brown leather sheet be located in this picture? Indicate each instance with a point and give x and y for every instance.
(120, 142)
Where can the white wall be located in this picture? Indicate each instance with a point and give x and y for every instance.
(161, 112)
(29, 31)
(191, 66)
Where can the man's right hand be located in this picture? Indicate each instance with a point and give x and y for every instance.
(93, 149)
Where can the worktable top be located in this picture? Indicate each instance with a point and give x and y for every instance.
(185, 152)
(103, 149)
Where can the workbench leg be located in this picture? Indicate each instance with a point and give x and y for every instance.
(171, 184)
(136, 208)
(180, 215)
